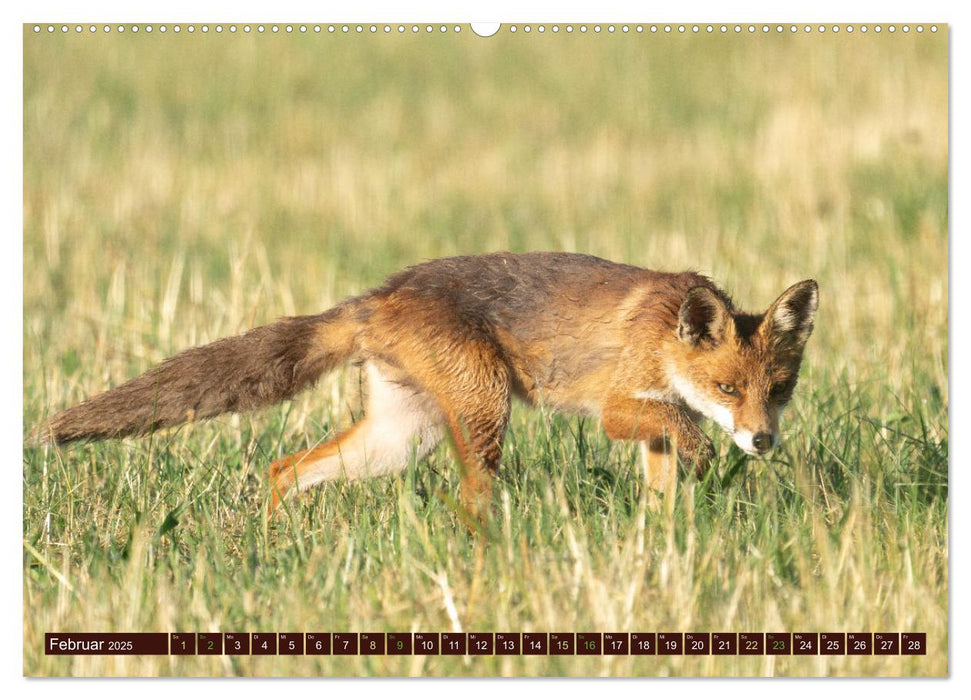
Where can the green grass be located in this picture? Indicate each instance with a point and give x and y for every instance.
(182, 188)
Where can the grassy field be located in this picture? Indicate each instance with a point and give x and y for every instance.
(178, 189)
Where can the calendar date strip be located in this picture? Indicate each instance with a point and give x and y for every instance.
(488, 643)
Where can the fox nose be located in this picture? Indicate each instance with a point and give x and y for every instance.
(762, 442)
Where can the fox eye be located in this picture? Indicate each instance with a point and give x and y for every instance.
(728, 389)
(779, 389)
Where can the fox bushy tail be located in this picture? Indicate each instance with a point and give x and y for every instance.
(258, 368)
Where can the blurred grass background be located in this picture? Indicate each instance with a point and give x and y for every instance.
(180, 188)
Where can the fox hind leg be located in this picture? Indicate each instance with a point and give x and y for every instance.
(477, 422)
(396, 417)
(479, 448)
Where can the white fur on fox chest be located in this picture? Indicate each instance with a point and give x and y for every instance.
(668, 396)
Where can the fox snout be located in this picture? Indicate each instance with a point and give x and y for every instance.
(756, 443)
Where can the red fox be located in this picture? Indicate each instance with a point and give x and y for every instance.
(447, 344)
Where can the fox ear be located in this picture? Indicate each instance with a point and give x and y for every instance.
(790, 318)
(703, 318)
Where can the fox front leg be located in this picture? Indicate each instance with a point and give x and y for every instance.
(664, 430)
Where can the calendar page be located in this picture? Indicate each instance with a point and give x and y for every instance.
(525, 349)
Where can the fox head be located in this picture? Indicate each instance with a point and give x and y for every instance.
(740, 369)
